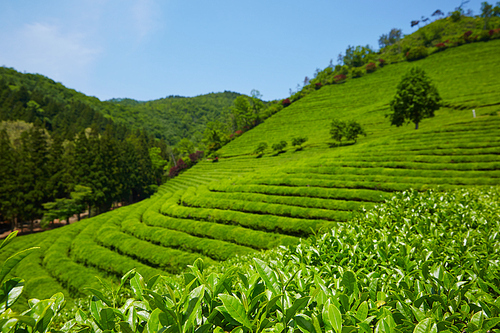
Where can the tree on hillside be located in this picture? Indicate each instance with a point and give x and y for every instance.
(350, 130)
(486, 13)
(392, 38)
(245, 111)
(353, 129)
(337, 128)
(416, 99)
(357, 56)
(279, 147)
(260, 148)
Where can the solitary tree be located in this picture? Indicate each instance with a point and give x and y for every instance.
(416, 98)
(260, 148)
(486, 13)
(337, 129)
(298, 142)
(353, 129)
(280, 147)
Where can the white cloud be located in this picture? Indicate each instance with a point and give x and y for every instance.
(49, 50)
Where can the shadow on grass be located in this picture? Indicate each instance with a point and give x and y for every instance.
(278, 153)
(342, 144)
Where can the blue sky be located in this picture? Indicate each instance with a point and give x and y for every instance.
(149, 49)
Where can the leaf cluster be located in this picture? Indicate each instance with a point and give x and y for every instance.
(350, 130)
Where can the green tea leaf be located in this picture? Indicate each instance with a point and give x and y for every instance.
(362, 312)
(11, 290)
(100, 295)
(12, 261)
(349, 281)
(304, 323)
(334, 317)
(425, 326)
(268, 276)
(298, 305)
(234, 307)
(125, 327)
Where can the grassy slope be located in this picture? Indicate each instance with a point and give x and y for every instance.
(243, 203)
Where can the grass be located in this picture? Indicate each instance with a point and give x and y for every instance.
(243, 204)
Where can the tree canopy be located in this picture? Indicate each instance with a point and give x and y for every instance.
(416, 99)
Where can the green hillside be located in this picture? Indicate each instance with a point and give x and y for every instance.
(68, 111)
(174, 117)
(245, 203)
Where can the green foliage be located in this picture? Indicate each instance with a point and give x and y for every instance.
(416, 53)
(353, 129)
(357, 56)
(337, 128)
(392, 38)
(357, 72)
(419, 262)
(349, 129)
(299, 141)
(416, 98)
(280, 147)
(261, 147)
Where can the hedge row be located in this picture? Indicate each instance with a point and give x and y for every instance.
(268, 223)
(167, 259)
(204, 200)
(395, 172)
(71, 275)
(229, 233)
(417, 165)
(313, 192)
(223, 190)
(215, 249)
(354, 185)
(85, 250)
(451, 151)
(408, 157)
(375, 178)
(409, 144)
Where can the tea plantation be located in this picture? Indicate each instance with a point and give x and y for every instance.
(420, 262)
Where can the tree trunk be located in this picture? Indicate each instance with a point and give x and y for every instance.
(416, 126)
(32, 225)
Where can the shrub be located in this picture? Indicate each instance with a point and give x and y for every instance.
(299, 141)
(357, 72)
(279, 147)
(416, 53)
(371, 67)
(176, 169)
(494, 34)
(317, 85)
(260, 148)
(339, 78)
(381, 62)
(484, 36)
(194, 157)
(286, 102)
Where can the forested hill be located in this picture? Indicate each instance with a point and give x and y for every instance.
(29, 97)
(174, 117)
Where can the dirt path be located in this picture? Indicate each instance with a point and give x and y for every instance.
(37, 228)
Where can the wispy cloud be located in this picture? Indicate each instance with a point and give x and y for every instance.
(47, 49)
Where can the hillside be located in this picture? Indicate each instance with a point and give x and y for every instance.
(68, 111)
(244, 204)
(175, 117)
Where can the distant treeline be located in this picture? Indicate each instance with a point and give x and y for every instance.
(53, 139)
